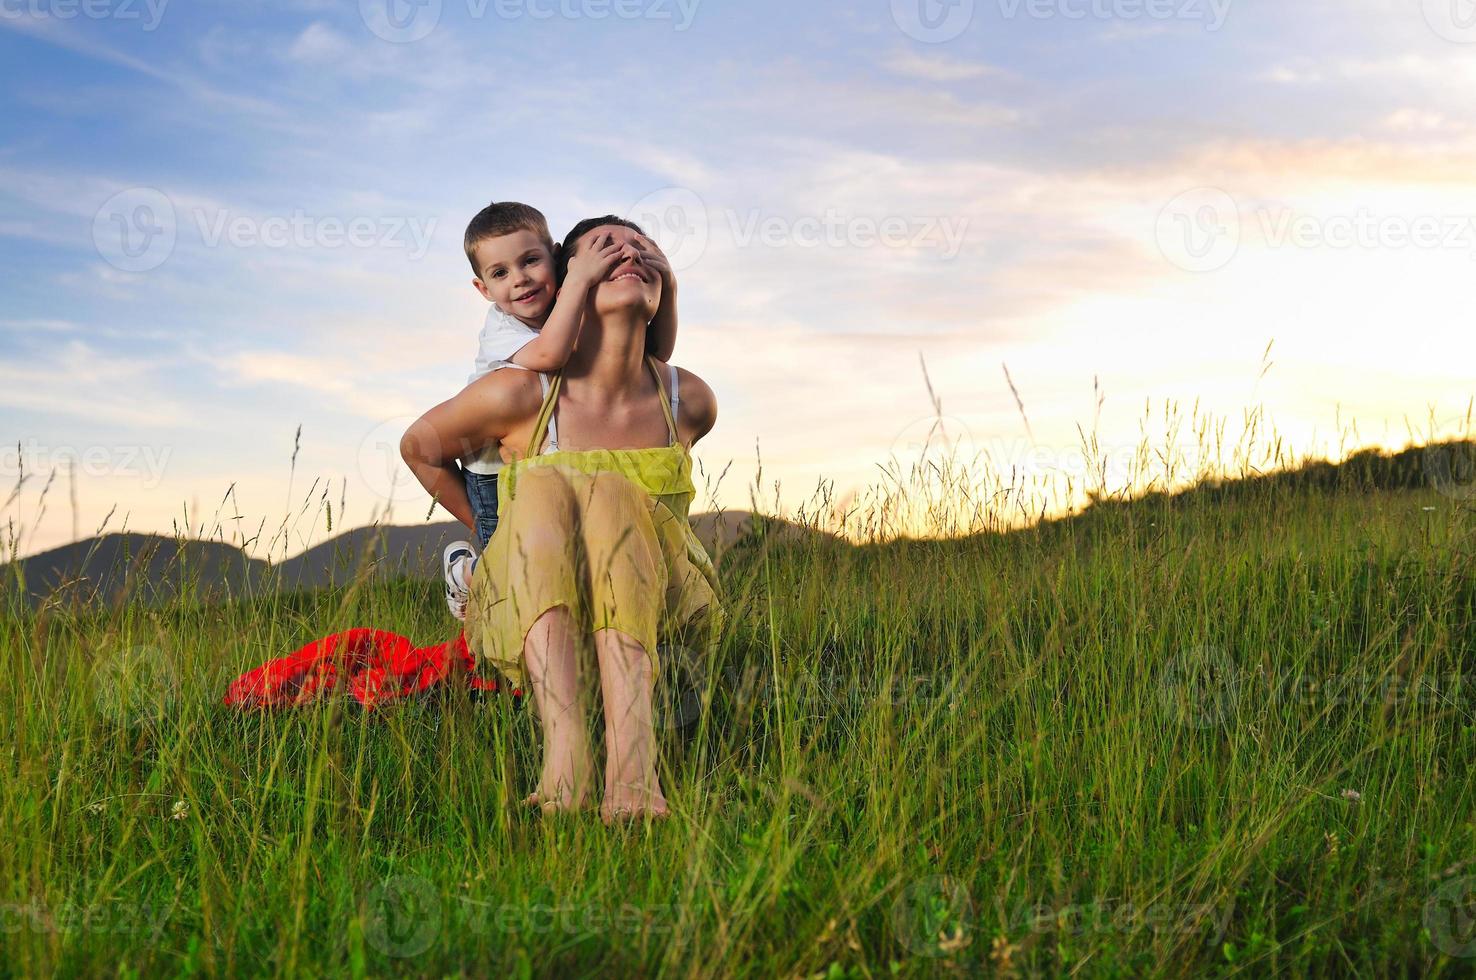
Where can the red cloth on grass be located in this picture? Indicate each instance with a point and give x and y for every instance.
(374, 667)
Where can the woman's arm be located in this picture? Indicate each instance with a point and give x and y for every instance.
(484, 412)
(661, 334)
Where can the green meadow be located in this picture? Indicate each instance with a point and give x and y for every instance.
(1223, 732)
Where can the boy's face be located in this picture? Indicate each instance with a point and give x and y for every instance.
(516, 272)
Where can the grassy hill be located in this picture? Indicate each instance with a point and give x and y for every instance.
(1225, 732)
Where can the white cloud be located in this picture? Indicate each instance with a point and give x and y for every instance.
(333, 381)
(937, 68)
(76, 380)
(319, 43)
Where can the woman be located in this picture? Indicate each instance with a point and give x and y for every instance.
(593, 535)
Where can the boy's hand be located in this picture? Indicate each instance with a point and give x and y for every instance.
(594, 264)
(652, 255)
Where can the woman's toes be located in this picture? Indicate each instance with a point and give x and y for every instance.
(556, 801)
(625, 812)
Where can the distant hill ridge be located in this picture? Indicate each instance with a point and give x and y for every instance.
(155, 566)
(146, 565)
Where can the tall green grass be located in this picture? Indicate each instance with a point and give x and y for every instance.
(1222, 733)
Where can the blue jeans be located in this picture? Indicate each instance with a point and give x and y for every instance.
(481, 490)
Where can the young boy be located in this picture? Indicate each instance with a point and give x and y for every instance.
(533, 324)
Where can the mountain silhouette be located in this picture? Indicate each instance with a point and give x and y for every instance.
(119, 567)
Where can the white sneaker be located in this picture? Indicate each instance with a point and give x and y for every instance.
(458, 562)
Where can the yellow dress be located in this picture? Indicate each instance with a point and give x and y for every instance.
(603, 532)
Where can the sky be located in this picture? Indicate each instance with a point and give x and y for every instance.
(231, 266)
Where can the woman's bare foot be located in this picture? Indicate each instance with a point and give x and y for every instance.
(634, 801)
(563, 787)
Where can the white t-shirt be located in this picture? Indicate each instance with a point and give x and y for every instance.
(502, 337)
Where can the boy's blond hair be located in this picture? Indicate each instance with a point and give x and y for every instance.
(503, 218)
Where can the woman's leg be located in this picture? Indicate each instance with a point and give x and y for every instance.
(543, 559)
(553, 674)
(627, 586)
(632, 787)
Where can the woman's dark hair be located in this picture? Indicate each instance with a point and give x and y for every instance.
(565, 251)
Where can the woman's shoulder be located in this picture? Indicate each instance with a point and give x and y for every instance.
(697, 405)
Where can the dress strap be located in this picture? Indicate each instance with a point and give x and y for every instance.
(668, 406)
(546, 421)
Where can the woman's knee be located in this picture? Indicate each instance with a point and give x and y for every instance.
(544, 514)
(553, 627)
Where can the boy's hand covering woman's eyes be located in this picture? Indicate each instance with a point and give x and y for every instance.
(594, 263)
(652, 255)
